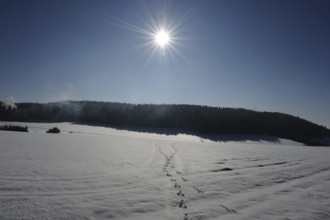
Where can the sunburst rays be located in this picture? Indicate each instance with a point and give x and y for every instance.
(158, 26)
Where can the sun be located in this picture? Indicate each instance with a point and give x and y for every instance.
(162, 38)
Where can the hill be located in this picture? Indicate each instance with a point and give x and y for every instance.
(187, 118)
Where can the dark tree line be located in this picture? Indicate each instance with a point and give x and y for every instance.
(191, 118)
(13, 128)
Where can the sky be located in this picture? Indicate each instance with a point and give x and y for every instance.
(264, 55)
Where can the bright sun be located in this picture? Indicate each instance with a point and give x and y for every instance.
(162, 38)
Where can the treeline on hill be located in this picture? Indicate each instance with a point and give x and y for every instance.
(13, 128)
(201, 119)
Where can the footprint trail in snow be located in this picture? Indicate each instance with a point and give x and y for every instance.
(175, 175)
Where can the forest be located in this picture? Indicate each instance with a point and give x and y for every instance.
(184, 118)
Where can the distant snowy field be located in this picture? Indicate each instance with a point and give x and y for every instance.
(88, 172)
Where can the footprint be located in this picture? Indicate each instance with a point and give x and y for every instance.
(181, 204)
(223, 169)
(177, 185)
(185, 180)
(198, 190)
(180, 193)
(231, 211)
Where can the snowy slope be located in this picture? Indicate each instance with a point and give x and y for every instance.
(88, 172)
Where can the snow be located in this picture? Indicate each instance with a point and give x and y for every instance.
(90, 172)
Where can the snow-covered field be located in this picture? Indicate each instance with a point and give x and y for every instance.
(88, 172)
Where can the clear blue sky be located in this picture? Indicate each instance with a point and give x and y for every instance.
(266, 55)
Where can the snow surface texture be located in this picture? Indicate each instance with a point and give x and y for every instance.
(88, 172)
